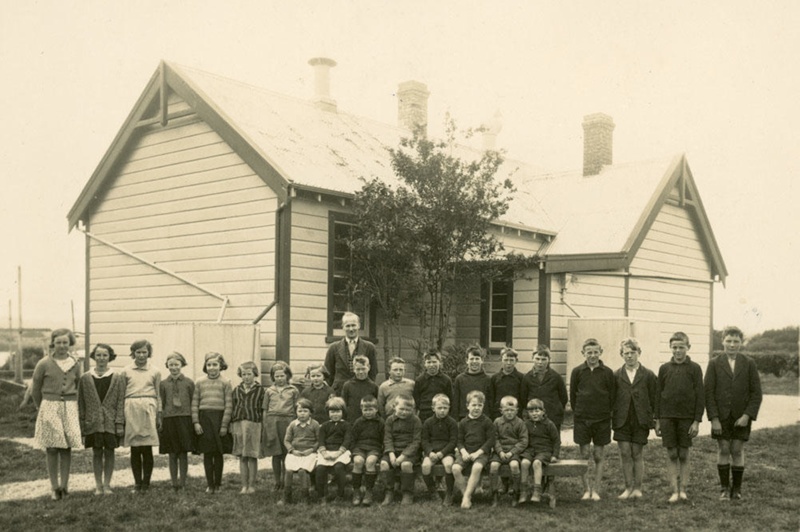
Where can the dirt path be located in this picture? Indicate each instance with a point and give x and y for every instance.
(776, 411)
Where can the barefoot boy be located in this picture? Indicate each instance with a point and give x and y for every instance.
(476, 438)
(592, 395)
(679, 411)
(733, 397)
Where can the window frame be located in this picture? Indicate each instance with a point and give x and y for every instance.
(488, 291)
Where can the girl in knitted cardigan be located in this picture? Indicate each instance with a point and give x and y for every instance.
(101, 405)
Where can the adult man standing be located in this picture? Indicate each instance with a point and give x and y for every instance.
(339, 359)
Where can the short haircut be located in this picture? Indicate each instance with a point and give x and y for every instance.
(280, 366)
(535, 403)
(336, 404)
(138, 344)
(177, 356)
(732, 330)
(432, 353)
(591, 342)
(440, 399)
(214, 355)
(631, 343)
(348, 316)
(369, 400)
(405, 398)
(476, 394)
(304, 403)
(62, 332)
(315, 367)
(397, 360)
(475, 350)
(247, 365)
(509, 352)
(361, 359)
(542, 350)
(111, 354)
(509, 400)
(680, 336)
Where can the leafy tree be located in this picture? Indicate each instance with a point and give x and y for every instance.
(784, 339)
(418, 241)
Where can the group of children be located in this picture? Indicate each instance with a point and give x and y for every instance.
(509, 422)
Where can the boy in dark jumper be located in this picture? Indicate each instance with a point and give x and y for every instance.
(679, 410)
(733, 398)
(430, 384)
(357, 387)
(507, 381)
(473, 379)
(512, 439)
(545, 383)
(544, 446)
(401, 449)
(592, 393)
(334, 449)
(439, 439)
(476, 439)
(367, 438)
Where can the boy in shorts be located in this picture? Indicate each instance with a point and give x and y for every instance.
(401, 449)
(430, 384)
(592, 392)
(476, 439)
(679, 410)
(633, 415)
(544, 446)
(367, 438)
(439, 439)
(733, 398)
(512, 439)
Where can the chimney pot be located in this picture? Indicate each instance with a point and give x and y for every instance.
(322, 83)
(598, 129)
(412, 105)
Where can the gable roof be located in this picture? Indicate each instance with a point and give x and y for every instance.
(290, 142)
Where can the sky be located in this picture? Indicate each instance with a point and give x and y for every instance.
(715, 80)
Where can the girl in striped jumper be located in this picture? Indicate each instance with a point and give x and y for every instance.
(246, 424)
(211, 415)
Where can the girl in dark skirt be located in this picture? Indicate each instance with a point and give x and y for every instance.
(211, 414)
(177, 434)
(101, 408)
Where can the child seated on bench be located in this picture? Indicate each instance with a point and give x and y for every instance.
(476, 439)
(544, 446)
(512, 439)
(439, 438)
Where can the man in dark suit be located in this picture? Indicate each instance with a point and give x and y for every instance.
(339, 358)
(733, 397)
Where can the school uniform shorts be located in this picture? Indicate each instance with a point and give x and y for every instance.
(732, 432)
(586, 432)
(675, 432)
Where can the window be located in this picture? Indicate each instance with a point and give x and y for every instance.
(497, 313)
(341, 295)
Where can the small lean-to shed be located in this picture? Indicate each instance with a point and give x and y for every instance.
(222, 202)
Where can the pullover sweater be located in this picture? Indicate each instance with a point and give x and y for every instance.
(439, 435)
(478, 433)
(176, 396)
(212, 394)
(352, 393)
(318, 398)
(680, 391)
(543, 437)
(503, 385)
(465, 383)
(389, 391)
(335, 435)
(592, 392)
(511, 435)
(402, 436)
(302, 436)
(426, 387)
(367, 434)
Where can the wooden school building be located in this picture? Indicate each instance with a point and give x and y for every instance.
(220, 202)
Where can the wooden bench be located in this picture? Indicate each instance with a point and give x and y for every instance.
(562, 468)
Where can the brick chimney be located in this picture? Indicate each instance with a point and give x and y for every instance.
(322, 83)
(598, 129)
(412, 105)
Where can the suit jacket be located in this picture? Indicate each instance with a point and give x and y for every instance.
(729, 395)
(337, 366)
(552, 391)
(642, 393)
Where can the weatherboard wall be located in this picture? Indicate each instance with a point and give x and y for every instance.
(183, 199)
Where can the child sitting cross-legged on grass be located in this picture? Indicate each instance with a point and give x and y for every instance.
(544, 446)
(439, 438)
(476, 438)
(512, 439)
(301, 441)
(401, 449)
(334, 449)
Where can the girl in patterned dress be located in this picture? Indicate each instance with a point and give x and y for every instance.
(55, 392)
(101, 404)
